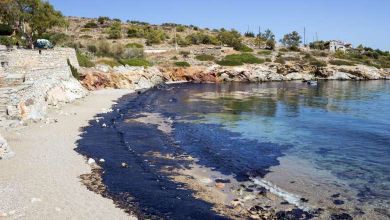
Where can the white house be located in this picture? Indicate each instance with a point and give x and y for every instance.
(336, 45)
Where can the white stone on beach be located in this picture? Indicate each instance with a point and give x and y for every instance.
(102, 160)
(206, 181)
(104, 125)
(34, 200)
(124, 165)
(91, 161)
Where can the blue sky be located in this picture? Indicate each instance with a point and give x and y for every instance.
(355, 21)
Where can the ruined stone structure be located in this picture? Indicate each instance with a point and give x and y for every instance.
(30, 81)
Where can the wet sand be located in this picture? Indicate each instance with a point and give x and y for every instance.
(43, 180)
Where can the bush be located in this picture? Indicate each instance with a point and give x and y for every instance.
(230, 38)
(155, 37)
(86, 36)
(268, 60)
(180, 28)
(135, 62)
(239, 59)
(280, 60)
(185, 53)
(182, 64)
(229, 63)
(265, 52)
(115, 31)
(134, 45)
(7, 41)
(74, 71)
(205, 57)
(318, 63)
(90, 25)
(109, 62)
(5, 30)
(84, 61)
(249, 34)
(341, 63)
(244, 48)
(202, 38)
(92, 48)
(102, 20)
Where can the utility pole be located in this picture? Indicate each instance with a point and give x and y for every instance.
(175, 41)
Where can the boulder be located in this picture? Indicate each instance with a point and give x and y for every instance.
(5, 151)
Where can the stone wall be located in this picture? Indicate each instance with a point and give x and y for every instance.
(30, 82)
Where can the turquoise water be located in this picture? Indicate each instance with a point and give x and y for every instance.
(341, 127)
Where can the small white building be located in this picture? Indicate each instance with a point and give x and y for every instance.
(336, 45)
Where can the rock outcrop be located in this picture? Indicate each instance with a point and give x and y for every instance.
(124, 77)
(5, 151)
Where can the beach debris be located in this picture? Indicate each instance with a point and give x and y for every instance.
(341, 216)
(294, 214)
(206, 181)
(222, 181)
(34, 200)
(338, 202)
(304, 200)
(124, 165)
(337, 195)
(102, 160)
(91, 161)
(220, 185)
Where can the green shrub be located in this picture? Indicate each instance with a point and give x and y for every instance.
(86, 36)
(182, 64)
(84, 61)
(265, 52)
(280, 60)
(109, 62)
(268, 60)
(231, 38)
(283, 49)
(319, 53)
(174, 58)
(92, 48)
(7, 41)
(5, 30)
(318, 63)
(202, 38)
(341, 63)
(90, 24)
(85, 29)
(135, 62)
(102, 20)
(180, 28)
(74, 71)
(205, 57)
(115, 31)
(155, 37)
(244, 48)
(229, 63)
(185, 53)
(134, 45)
(244, 58)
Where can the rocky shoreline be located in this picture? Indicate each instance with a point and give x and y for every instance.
(103, 76)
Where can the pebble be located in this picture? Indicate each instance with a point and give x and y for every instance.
(34, 200)
(220, 185)
(104, 125)
(102, 160)
(91, 161)
(124, 165)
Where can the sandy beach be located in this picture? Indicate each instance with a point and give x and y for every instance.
(42, 180)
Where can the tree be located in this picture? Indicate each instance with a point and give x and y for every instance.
(266, 39)
(231, 38)
(291, 40)
(31, 18)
